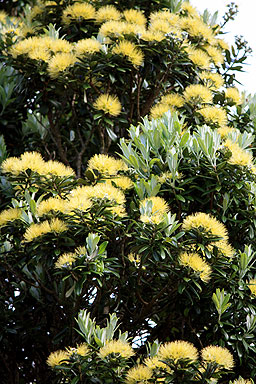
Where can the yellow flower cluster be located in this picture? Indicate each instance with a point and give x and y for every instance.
(138, 374)
(130, 50)
(35, 162)
(197, 93)
(206, 225)
(62, 357)
(215, 54)
(214, 115)
(242, 381)
(109, 104)
(232, 95)
(40, 229)
(239, 156)
(9, 215)
(198, 57)
(177, 350)
(218, 355)
(167, 102)
(122, 182)
(252, 286)
(197, 28)
(153, 210)
(211, 80)
(78, 11)
(66, 260)
(52, 204)
(106, 165)
(197, 264)
(106, 13)
(135, 17)
(86, 47)
(116, 347)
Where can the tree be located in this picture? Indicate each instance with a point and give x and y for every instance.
(155, 227)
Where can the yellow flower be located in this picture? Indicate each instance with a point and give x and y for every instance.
(252, 286)
(158, 110)
(155, 363)
(108, 12)
(205, 223)
(100, 191)
(9, 215)
(29, 160)
(66, 260)
(239, 156)
(195, 262)
(219, 355)
(173, 100)
(113, 27)
(187, 7)
(78, 11)
(214, 115)
(153, 209)
(60, 46)
(225, 131)
(106, 165)
(60, 62)
(215, 54)
(164, 27)
(197, 28)
(212, 80)
(199, 57)
(129, 50)
(3, 16)
(225, 248)
(197, 93)
(138, 374)
(242, 381)
(134, 258)
(51, 204)
(57, 358)
(122, 182)
(222, 44)
(233, 95)
(118, 211)
(135, 16)
(39, 54)
(40, 229)
(177, 350)
(54, 167)
(81, 350)
(87, 47)
(77, 203)
(152, 36)
(108, 104)
(117, 347)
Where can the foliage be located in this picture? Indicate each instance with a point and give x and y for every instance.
(155, 227)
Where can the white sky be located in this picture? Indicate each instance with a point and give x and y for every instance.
(245, 25)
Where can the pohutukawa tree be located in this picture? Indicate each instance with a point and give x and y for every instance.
(128, 180)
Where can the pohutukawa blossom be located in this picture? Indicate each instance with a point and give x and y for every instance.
(138, 374)
(205, 224)
(197, 264)
(106, 165)
(78, 11)
(66, 260)
(197, 93)
(212, 80)
(40, 229)
(57, 358)
(199, 57)
(252, 286)
(80, 349)
(108, 12)
(214, 115)
(239, 155)
(122, 182)
(53, 204)
(109, 104)
(215, 55)
(158, 110)
(233, 95)
(9, 215)
(60, 62)
(135, 16)
(116, 347)
(87, 47)
(178, 350)
(153, 209)
(218, 355)
(130, 51)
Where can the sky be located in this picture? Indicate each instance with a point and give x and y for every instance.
(245, 25)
